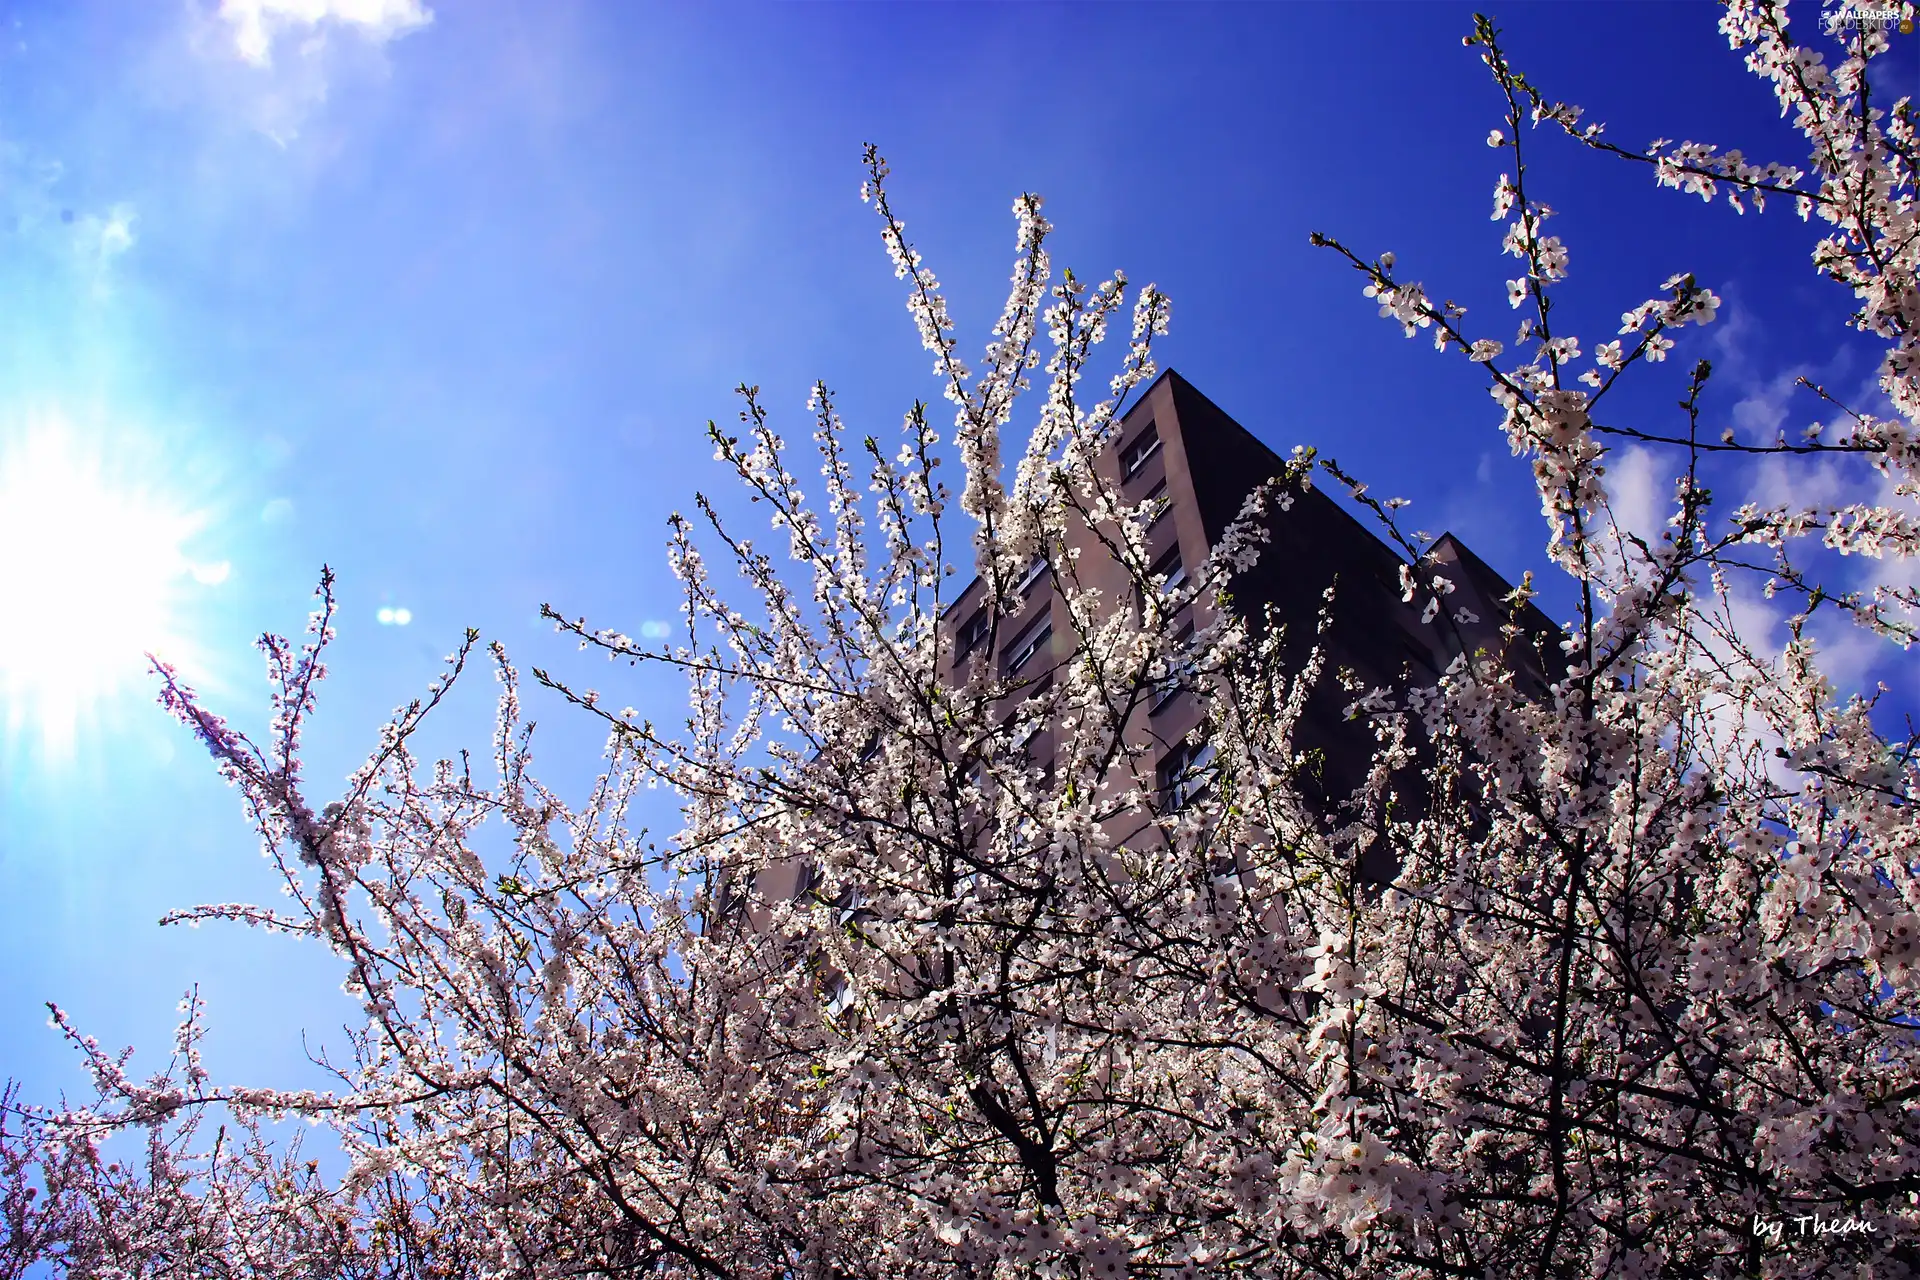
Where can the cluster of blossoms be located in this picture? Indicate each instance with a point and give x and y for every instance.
(1590, 972)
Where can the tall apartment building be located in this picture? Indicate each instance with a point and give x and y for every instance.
(1177, 446)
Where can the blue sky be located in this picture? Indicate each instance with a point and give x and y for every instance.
(447, 305)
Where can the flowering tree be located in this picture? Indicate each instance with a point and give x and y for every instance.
(899, 999)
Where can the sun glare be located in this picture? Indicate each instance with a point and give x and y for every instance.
(91, 569)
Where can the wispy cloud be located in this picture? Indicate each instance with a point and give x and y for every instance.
(1777, 406)
(100, 238)
(269, 65)
(1759, 414)
(257, 24)
(1766, 403)
(52, 222)
(1638, 492)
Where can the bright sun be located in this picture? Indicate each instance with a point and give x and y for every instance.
(91, 567)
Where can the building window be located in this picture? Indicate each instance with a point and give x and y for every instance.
(1180, 671)
(1035, 571)
(1157, 504)
(1170, 568)
(1186, 773)
(1035, 746)
(1135, 455)
(971, 634)
(1031, 641)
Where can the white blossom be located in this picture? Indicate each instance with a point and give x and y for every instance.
(1608, 953)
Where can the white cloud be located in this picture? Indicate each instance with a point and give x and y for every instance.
(1730, 337)
(269, 66)
(1804, 481)
(100, 238)
(116, 231)
(1759, 415)
(1849, 655)
(40, 207)
(1636, 491)
(258, 23)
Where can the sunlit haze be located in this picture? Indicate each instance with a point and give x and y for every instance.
(92, 564)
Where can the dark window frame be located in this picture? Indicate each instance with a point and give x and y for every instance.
(972, 633)
(1186, 773)
(1160, 502)
(1139, 451)
(1022, 648)
(1035, 572)
(1178, 677)
(1173, 567)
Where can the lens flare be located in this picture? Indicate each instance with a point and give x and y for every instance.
(92, 565)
